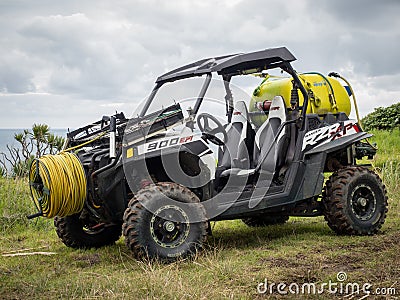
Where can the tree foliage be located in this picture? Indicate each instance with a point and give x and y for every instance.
(383, 118)
(32, 143)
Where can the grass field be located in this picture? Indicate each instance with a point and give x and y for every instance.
(235, 260)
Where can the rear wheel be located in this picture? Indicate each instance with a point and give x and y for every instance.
(165, 221)
(265, 221)
(75, 234)
(355, 201)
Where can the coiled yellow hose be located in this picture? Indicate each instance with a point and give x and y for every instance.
(58, 184)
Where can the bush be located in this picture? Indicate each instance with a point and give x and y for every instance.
(383, 118)
(3, 171)
(32, 143)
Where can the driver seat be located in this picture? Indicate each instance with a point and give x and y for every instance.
(270, 149)
(238, 148)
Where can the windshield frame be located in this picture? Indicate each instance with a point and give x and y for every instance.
(199, 98)
(285, 66)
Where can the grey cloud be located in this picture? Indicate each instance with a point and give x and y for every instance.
(86, 57)
(15, 79)
(365, 32)
(59, 111)
(113, 52)
(374, 54)
(368, 15)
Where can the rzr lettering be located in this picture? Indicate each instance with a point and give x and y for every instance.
(333, 132)
(316, 136)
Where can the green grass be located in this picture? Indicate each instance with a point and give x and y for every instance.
(387, 160)
(235, 260)
(388, 143)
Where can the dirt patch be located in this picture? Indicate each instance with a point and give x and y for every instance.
(87, 260)
(276, 262)
(373, 259)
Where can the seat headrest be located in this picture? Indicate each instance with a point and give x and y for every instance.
(240, 113)
(278, 108)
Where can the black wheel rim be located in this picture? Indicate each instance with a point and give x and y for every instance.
(363, 202)
(169, 226)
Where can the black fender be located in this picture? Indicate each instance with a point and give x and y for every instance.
(339, 143)
(314, 163)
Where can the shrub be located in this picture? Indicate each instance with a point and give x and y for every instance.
(383, 118)
(32, 143)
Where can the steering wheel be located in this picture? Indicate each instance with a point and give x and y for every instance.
(211, 132)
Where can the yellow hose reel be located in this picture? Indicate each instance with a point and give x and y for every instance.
(57, 185)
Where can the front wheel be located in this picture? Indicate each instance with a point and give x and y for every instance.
(355, 201)
(165, 221)
(76, 234)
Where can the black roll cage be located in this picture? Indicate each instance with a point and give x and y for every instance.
(233, 65)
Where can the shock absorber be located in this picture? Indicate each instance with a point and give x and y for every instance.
(294, 96)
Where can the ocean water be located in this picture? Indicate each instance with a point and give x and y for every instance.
(7, 138)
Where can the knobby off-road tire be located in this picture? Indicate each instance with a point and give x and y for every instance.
(265, 221)
(355, 201)
(156, 227)
(75, 234)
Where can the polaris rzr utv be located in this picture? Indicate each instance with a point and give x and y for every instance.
(164, 174)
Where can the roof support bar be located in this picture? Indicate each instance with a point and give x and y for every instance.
(202, 93)
(150, 99)
(228, 97)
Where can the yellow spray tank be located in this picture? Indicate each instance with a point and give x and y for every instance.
(326, 94)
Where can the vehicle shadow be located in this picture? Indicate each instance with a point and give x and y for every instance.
(235, 234)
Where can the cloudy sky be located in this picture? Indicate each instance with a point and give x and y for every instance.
(67, 63)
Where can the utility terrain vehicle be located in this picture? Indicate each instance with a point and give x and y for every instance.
(155, 177)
